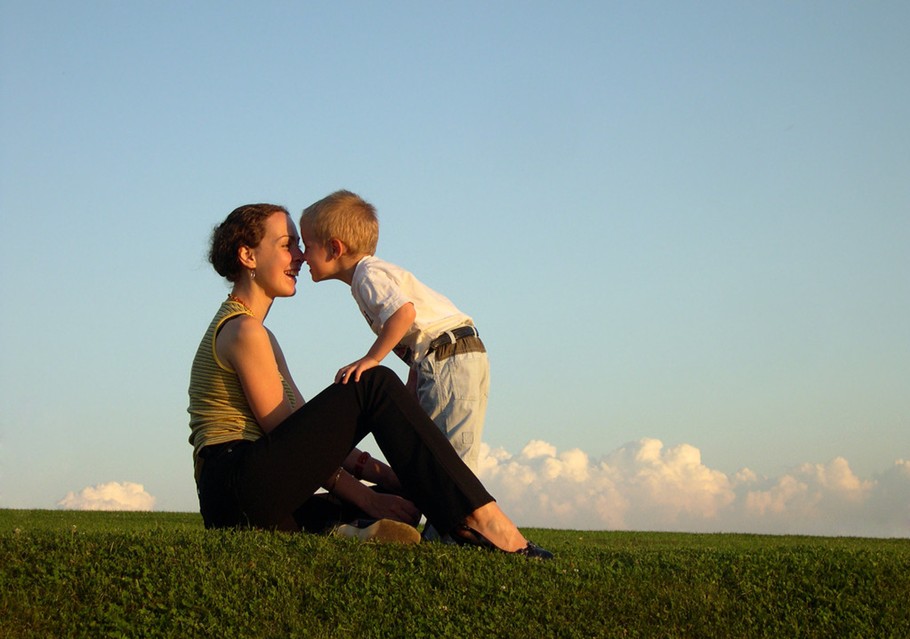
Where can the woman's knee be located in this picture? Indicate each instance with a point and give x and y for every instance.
(380, 374)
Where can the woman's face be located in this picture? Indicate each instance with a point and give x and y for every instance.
(316, 255)
(278, 257)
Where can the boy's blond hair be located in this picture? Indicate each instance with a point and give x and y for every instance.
(344, 216)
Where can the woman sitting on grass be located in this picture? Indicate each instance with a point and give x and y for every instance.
(261, 453)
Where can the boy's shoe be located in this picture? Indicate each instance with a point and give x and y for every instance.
(384, 531)
(431, 534)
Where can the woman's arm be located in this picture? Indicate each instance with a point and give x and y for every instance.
(252, 351)
(346, 485)
(364, 466)
(247, 347)
(377, 505)
(285, 371)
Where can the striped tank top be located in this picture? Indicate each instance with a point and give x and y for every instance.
(218, 408)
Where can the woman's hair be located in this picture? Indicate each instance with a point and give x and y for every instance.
(344, 216)
(245, 226)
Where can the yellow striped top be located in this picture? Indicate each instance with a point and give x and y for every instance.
(219, 411)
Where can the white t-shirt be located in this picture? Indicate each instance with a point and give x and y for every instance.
(381, 288)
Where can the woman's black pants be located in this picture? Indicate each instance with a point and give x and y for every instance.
(262, 484)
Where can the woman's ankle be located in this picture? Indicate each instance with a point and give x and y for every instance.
(492, 523)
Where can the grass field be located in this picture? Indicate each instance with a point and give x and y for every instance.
(91, 574)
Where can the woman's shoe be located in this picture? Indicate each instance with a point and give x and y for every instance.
(467, 535)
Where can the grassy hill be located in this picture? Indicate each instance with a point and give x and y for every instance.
(92, 574)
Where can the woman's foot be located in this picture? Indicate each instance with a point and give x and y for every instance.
(489, 527)
(470, 536)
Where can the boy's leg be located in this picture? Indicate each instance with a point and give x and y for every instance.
(454, 393)
(432, 474)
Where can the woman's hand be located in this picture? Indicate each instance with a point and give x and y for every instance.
(378, 505)
(384, 506)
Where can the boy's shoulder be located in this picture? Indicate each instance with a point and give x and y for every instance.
(373, 264)
(375, 273)
(372, 260)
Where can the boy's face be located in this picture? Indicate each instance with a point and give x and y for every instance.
(316, 256)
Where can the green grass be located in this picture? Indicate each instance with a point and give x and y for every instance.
(76, 574)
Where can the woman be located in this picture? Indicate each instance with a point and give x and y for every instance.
(261, 453)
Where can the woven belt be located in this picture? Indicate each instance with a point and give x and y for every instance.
(450, 337)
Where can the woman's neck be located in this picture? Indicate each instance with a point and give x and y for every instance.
(253, 298)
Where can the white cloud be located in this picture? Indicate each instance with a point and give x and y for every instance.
(109, 496)
(646, 486)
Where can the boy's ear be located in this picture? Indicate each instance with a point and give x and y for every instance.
(337, 247)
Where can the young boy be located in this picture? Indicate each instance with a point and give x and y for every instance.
(449, 369)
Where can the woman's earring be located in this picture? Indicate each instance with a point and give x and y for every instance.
(252, 274)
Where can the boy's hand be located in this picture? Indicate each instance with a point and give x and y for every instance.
(352, 371)
(389, 336)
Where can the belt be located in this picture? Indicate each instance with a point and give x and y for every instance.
(217, 450)
(450, 337)
(214, 452)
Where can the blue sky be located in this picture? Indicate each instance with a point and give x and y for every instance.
(681, 229)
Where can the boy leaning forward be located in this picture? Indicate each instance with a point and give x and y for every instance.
(449, 368)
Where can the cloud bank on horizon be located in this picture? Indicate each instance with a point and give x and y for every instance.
(109, 496)
(644, 485)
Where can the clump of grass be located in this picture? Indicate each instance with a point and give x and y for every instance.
(162, 575)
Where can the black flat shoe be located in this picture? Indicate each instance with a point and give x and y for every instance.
(466, 535)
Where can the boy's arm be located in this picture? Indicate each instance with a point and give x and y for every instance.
(395, 328)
